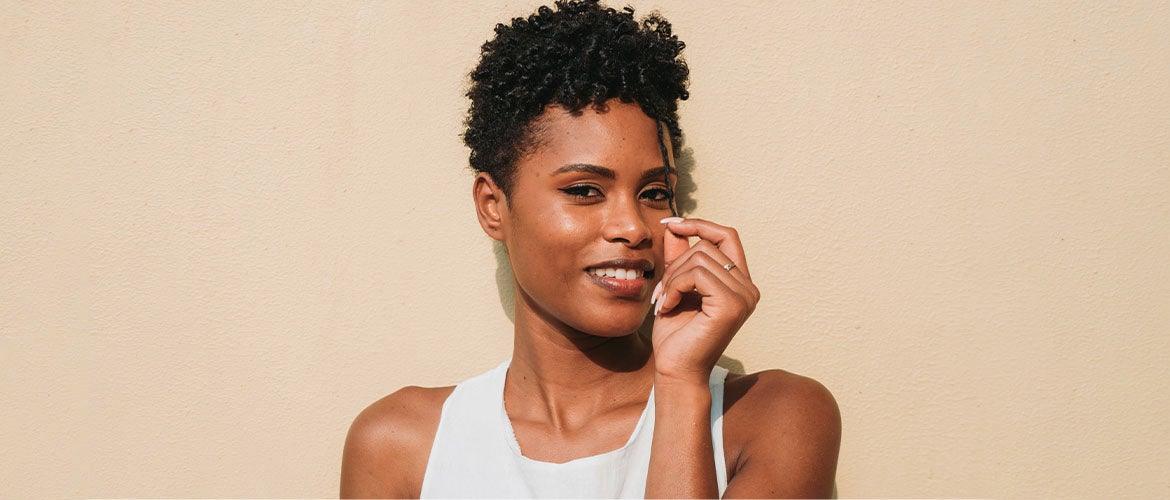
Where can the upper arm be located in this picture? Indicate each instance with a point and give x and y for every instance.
(793, 450)
(387, 446)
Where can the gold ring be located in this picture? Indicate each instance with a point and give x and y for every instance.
(729, 266)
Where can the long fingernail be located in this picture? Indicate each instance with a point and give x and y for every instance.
(654, 294)
(668, 220)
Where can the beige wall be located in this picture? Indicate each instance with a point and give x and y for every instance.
(226, 228)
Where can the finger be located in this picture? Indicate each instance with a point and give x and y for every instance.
(673, 245)
(726, 238)
(712, 264)
(722, 299)
(721, 259)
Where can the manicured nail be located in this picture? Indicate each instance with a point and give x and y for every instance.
(654, 294)
(657, 307)
(668, 220)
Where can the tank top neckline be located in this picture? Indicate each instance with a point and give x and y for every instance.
(509, 434)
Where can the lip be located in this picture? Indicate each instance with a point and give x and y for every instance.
(623, 288)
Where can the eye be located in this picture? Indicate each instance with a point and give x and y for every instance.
(658, 195)
(665, 194)
(580, 191)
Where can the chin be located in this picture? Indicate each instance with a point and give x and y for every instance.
(613, 334)
(616, 325)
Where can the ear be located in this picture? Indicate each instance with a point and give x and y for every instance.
(491, 206)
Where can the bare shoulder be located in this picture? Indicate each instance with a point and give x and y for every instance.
(783, 434)
(389, 442)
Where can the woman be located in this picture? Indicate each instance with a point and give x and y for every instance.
(573, 130)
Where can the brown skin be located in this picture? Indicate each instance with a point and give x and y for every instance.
(580, 374)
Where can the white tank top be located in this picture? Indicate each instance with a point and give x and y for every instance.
(475, 453)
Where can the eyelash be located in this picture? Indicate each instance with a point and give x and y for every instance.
(572, 190)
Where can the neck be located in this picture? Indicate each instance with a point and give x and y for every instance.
(563, 376)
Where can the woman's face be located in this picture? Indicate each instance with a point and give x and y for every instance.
(592, 191)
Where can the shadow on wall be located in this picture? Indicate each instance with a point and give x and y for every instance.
(684, 202)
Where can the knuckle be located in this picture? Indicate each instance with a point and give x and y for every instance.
(745, 304)
(742, 310)
(748, 309)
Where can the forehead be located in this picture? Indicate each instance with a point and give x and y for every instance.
(621, 138)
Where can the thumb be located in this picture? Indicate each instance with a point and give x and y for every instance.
(673, 245)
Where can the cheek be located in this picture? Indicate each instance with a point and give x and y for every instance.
(572, 229)
(554, 241)
(552, 247)
(558, 227)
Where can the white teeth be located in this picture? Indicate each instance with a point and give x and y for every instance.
(621, 274)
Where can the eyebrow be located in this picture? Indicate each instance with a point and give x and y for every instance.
(651, 173)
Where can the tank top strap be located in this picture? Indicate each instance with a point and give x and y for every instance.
(716, 383)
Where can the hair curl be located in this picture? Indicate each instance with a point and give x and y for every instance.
(580, 54)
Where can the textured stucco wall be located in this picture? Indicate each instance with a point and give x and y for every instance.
(225, 228)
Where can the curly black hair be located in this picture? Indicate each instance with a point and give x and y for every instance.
(580, 54)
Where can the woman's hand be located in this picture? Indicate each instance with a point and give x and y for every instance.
(699, 304)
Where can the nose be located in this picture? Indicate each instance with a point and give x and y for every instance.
(625, 223)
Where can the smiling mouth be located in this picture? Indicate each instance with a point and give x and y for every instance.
(620, 274)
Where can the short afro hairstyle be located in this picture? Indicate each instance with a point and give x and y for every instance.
(580, 54)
